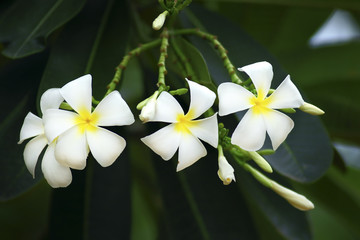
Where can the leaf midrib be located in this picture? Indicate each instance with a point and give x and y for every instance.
(40, 24)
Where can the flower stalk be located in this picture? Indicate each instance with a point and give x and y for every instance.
(218, 46)
(123, 64)
(161, 63)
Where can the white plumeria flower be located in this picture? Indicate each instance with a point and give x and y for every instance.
(226, 171)
(79, 132)
(184, 132)
(261, 116)
(55, 174)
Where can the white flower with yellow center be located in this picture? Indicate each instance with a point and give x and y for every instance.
(78, 132)
(261, 116)
(55, 174)
(184, 132)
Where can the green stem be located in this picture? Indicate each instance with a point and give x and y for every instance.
(163, 55)
(162, 4)
(217, 45)
(261, 178)
(123, 64)
(220, 151)
(183, 5)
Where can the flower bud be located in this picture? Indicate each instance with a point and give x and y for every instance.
(296, 200)
(226, 171)
(311, 109)
(148, 111)
(159, 21)
(260, 161)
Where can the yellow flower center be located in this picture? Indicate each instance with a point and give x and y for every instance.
(260, 104)
(184, 122)
(86, 121)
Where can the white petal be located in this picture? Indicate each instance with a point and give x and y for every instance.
(32, 152)
(77, 93)
(164, 142)
(148, 111)
(226, 171)
(278, 126)
(55, 174)
(57, 121)
(72, 149)
(190, 150)
(261, 74)
(113, 111)
(286, 96)
(105, 146)
(167, 108)
(233, 98)
(207, 130)
(250, 132)
(50, 99)
(201, 99)
(31, 127)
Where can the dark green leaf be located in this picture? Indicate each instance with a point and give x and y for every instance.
(31, 220)
(289, 222)
(347, 4)
(195, 61)
(307, 152)
(202, 210)
(339, 195)
(67, 214)
(18, 90)
(350, 153)
(332, 83)
(27, 34)
(277, 27)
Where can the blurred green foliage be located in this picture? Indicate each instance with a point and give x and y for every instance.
(141, 196)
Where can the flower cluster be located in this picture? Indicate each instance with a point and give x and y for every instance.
(70, 135)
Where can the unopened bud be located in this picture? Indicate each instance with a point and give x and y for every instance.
(148, 111)
(311, 109)
(296, 200)
(159, 21)
(226, 171)
(260, 161)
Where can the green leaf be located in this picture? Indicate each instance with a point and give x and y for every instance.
(347, 4)
(307, 152)
(147, 221)
(276, 27)
(27, 34)
(18, 93)
(195, 210)
(350, 153)
(194, 61)
(291, 223)
(339, 195)
(67, 211)
(28, 212)
(331, 84)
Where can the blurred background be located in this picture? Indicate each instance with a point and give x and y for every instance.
(46, 44)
